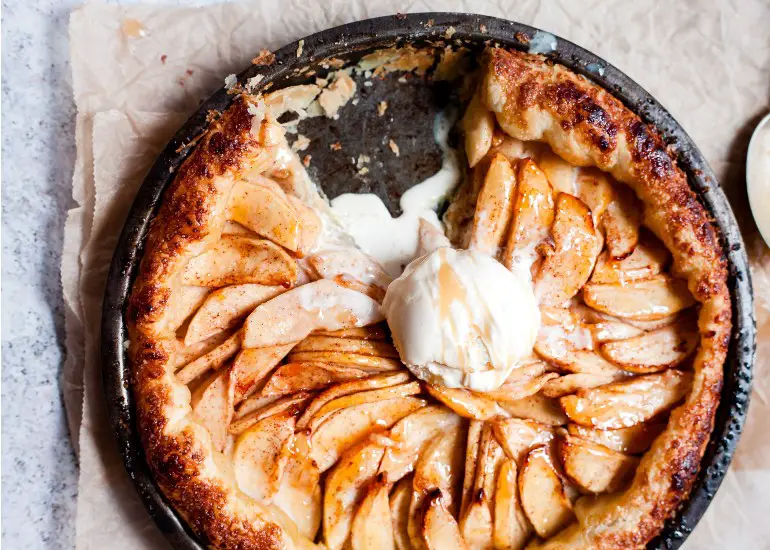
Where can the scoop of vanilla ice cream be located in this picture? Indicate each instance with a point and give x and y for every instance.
(461, 319)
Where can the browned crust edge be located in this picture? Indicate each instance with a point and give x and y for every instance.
(534, 99)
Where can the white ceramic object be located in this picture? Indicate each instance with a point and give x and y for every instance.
(758, 177)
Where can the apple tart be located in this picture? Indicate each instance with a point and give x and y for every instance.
(274, 405)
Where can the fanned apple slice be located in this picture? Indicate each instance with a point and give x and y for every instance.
(400, 501)
(258, 460)
(567, 269)
(473, 405)
(655, 324)
(477, 524)
(528, 370)
(350, 262)
(533, 213)
(187, 354)
(538, 408)
(225, 308)
(647, 300)
(372, 528)
(252, 366)
(491, 456)
(621, 222)
(624, 404)
(610, 331)
(311, 226)
(343, 488)
(471, 455)
(511, 528)
(542, 494)
(572, 383)
(655, 351)
(371, 332)
(234, 228)
(299, 495)
(212, 404)
(593, 467)
(509, 392)
(518, 436)
(212, 360)
(595, 189)
(589, 362)
(293, 315)
(294, 377)
(361, 398)
(648, 259)
(184, 303)
(291, 403)
(347, 345)
(369, 363)
(494, 207)
(634, 440)
(430, 238)
(479, 125)
(262, 206)
(346, 388)
(438, 468)
(411, 435)
(439, 528)
(237, 260)
(255, 403)
(561, 174)
(347, 427)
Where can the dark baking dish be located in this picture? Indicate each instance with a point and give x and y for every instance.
(349, 42)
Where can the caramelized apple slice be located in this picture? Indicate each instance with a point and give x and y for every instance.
(347, 388)
(236, 260)
(291, 403)
(411, 435)
(187, 354)
(212, 360)
(225, 308)
(593, 467)
(293, 315)
(511, 528)
(212, 404)
(491, 455)
(258, 462)
(294, 377)
(595, 190)
(572, 383)
(633, 440)
(624, 404)
(439, 528)
(538, 408)
(610, 331)
(234, 228)
(621, 222)
(372, 527)
(468, 404)
(471, 455)
(371, 332)
(533, 213)
(299, 495)
(518, 436)
(542, 494)
(430, 238)
(494, 207)
(509, 392)
(400, 501)
(350, 262)
(347, 427)
(252, 366)
(369, 363)
(654, 324)
(479, 125)
(347, 345)
(648, 259)
(184, 303)
(477, 524)
(655, 351)
(647, 300)
(564, 272)
(344, 486)
(561, 174)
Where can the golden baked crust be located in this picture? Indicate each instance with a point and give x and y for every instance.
(534, 99)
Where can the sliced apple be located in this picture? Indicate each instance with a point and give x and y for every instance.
(400, 501)
(291, 403)
(589, 362)
(529, 369)
(542, 494)
(494, 207)
(479, 125)
(572, 383)
(518, 436)
(310, 226)
(439, 528)
(372, 528)
(299, 495)
(212, 360)
(491, 456)
(610, 331)
(476, 526)
(566, 270)
(648, 300)
(561, 174)
(593, 467)
(621, 222)
(225, 308)
(212, 404)
(294, 377)
(347, 427)
(533, 213)
(538, 408)
(471, 456)
(346, 388)
(252, 366)
(514, 391)
(371, 332)
(430, 238)
(655, 351)
(187, 354)
(237, 260)
(254, 403)
(624, 404)
(234, 228)
(595, 189)
(347, 345)
(648, 259)
(473, 405)
(293, 315)
(343, 488)
(351, 262)
(369, 363)
(183, 303)
(511, 528)
(258, 461)
(633, 440)
(411, 435)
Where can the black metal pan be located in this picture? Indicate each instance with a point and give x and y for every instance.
(417, 104)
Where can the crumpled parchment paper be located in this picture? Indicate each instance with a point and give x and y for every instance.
(140, 70)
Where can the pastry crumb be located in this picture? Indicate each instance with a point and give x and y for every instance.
(355, 101)
(362, 161)
(450, 32)
(394, 147)
(254, 81)
(483, 28)
(306, 161)
(230, 81)
(301, 143)
(382, 106)
(336, 146)
(363, 171)
(402, 80)
(299, 48)
(429, 23)
(368, 83)
(337, 94)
